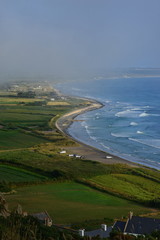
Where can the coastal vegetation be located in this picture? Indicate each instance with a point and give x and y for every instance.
(31, 165)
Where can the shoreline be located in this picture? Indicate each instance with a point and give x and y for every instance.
(87, 151)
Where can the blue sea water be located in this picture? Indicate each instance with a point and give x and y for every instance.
(129, 123)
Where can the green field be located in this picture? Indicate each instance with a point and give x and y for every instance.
(71, 202)
(31, 118)
(28, 116)
(69, 167)
(17, 100)
(136, 184)
(11, 174)
(11, 139)
(130, 186)
(22, 119)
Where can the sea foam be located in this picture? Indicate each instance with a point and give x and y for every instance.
(155, 143)
(144, 114)
(105, 146)
(133, 124)
(139, 132)
(120, 135)
(127, 113)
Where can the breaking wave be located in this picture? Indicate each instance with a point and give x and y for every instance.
(133, 124)
(144, 114)
(120, 135)
(127, 113)
(105, 146)
(139, 132)
(155, 143)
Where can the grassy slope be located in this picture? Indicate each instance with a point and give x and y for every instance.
(70, 202)
(53, 160)
(24, 116)
(129, 186)
(131, 183)
(23, 119)
(11, 139)
(17, 175)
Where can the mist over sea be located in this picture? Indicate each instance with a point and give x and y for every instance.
(129, 123)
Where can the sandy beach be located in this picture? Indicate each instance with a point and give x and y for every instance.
(88, 152)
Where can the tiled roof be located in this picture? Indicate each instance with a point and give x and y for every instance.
(142, 225)
(119, 225)
(99, 232)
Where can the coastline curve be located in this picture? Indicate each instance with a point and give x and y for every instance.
(89, 152)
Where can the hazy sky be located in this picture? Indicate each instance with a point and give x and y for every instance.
(69, 38)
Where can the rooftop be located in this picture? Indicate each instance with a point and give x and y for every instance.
(138, 225)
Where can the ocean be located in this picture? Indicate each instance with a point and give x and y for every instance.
(128, 125)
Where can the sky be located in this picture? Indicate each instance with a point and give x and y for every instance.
(65, 39)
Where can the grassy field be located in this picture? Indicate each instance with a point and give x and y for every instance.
(138, 184)
(11, 139)
(71, 202)
(69, 168)
(5, 100)
(24, 119)
(130, 186)
(17, 175)
(41, 158)
(32, 118)
(56, 103)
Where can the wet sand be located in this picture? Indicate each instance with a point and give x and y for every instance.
(84, 150)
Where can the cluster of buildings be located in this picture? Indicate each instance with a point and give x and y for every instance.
(133, 225)
(45, 219)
